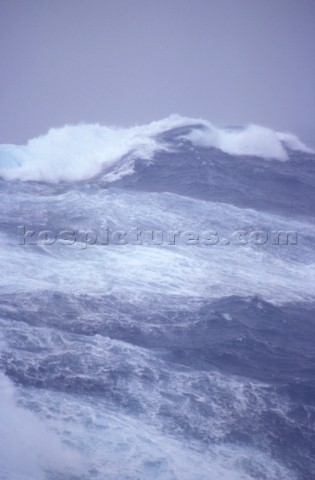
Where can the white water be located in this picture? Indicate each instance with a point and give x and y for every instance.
(203, 271)
(74, 153)
(27, 446)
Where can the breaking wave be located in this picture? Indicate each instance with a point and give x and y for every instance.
(75, 153)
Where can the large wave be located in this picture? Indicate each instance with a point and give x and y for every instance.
(75, 153)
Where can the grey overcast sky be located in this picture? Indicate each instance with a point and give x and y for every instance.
(122, 62)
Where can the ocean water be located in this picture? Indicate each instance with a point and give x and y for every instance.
(157, 304)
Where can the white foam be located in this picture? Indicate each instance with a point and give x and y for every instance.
(27, 446)
(74, 153)
(117, 445)
(251, 140)
(202, 271)
(293, 142)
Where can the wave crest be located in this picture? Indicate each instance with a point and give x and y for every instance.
(74, 153)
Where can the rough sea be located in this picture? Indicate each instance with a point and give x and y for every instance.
(157, 296)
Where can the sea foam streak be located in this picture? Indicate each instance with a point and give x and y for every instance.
(74, 153)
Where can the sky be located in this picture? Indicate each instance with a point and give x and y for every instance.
(126, 62)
